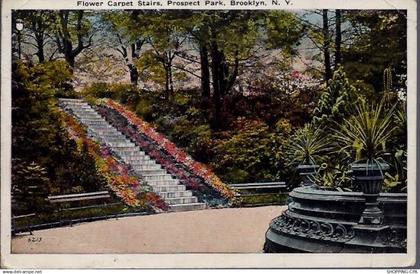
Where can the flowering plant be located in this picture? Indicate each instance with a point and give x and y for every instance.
(116, 174)
(195, 167)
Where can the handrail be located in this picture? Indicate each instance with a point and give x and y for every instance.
(259, 185)
(79, 197)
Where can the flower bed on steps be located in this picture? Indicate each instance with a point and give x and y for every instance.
(197, 177)
(118, 175)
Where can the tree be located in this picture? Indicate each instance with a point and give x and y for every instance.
(44, 160)
(72, 34)
(321, 33)
(379, 41)
(30, 188)
(335, 101)
(166, 39)
(338, 38)
(128, 43)
(326, 45)
(38, 27)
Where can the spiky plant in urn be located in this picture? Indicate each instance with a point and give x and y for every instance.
(363, 137)
(307, 149)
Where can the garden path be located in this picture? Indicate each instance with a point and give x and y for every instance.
(214, 230)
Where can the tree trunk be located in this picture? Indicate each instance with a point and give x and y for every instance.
(326, 46)
(64, 38)
(223, 73)
(337, 38)
(134, 74)
(171, 82)
(70, 60)
(205, 74)
(40, 52)
(38, 29)
(167, 83)
(215, 70)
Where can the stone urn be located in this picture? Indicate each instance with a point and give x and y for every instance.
(369, 177)
(306, 171)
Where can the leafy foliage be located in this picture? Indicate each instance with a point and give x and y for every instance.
(39, 140)
(365, 134)
(34, 191)
(251, 153)
(308, 145)
(335, 101)
(105, 90)
(379, 42)
(332, 176)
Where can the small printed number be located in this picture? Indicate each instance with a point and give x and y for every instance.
(34, 239)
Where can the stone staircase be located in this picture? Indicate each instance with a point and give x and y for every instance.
(165, 185)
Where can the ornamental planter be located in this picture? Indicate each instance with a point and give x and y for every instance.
(369, 179)
(306, 171)
(323, 221)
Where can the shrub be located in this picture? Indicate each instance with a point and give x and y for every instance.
(253, 148)
(39, 137)
(97, 90)
(307, 145)
(144, 109)
(335, 101)
(60, 77)
(106, 90)
(365, 134)
(196, 139)
(332, 176)
(237, 176)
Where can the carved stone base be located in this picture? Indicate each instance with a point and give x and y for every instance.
(369, 237)
(321, 221)
(372, 214)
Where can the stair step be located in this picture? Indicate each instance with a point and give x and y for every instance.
(145, 165)
(131, 149)
(103, 127)
(105, 132)
(142, 162)
(87, 113)
(90, 115)
(136, 157)
(168, 188)
(187, 207)
(77, 107)
(175, 194)
(152, 178)
(147, 171)
(163, 183)
(120, 144)
(112, 134)
(94, 122)
(181, 200)
(114, 139)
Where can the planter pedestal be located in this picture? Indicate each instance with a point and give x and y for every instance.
(369, 178)
(371, 187)
(305, 171)
(373, 238)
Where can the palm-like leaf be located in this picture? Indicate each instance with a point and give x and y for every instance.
(307, 146)
(366, 133)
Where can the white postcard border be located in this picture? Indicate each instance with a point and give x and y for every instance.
(231, 260)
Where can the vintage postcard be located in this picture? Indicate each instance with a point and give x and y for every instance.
(208, 133)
